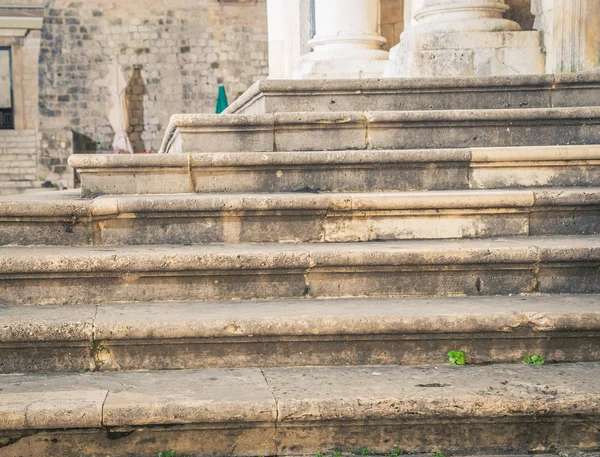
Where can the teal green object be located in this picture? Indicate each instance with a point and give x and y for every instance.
(222, 100)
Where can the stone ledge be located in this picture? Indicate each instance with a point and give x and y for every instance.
(189, 335)
(130, 259)
(540, 91)
(69, 204)
(341, 171)
(67, 275)
(381, 130)
(271, 411)
(297, 217)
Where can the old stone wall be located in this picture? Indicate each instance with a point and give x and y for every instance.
(18, 161)
(392, 21)
(55, 148)
(174, 52)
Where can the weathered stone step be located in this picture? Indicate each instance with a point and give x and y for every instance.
(63, 218)
(340, 171)
(188, 133)
(292, 411)
(531, 91)
(402, 331)
(73, 275)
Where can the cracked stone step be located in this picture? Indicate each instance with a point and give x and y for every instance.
(63, 218)
(340, 170)
(502, 266)
(531, 91)
(190, 133)
(505, 408)
(402, 331)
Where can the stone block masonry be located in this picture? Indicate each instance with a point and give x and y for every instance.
(175, 54)
(18, 161)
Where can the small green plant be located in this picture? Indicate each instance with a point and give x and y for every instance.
(456, 358)
(170, 453)
(536, 359)
(336, 454)
(319, 454)
(396, 452)
(364, 451)
(438, 453)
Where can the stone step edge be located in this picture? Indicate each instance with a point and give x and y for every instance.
(367, 120)
(297, 317)
(410, 85)
(281, 404)
(492, 155)
(68, 204)
(191, 335)
(526, 252)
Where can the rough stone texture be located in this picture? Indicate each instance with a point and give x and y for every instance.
(290, 411)
(172, 398)
(382, 130)
(341, 171)
(54, 339)
(71, 275)
(55, 148)
(66, 219)
(18, 161)
(297, 171)
(177, 335)
(481, 128)
(371, 406)
(540, 91)
(466, 53)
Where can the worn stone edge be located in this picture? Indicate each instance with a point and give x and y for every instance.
(303, 257)
(211, 123)
(470, 200)
(283, 87)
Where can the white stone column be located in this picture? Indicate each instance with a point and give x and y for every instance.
(464, 16)
(288, 24)
(347, 43)
(465, 38)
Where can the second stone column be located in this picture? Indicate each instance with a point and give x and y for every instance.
(465, 38)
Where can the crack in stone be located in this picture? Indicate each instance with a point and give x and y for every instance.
(102, 409)
(277, 415)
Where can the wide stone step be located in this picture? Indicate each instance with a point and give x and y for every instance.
(63, 218)
(340, 171)
(294, 411)
(73, 275)
(402, 331)
(531, 91)
(188, 133)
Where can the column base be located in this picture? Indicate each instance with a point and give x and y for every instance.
(466, 54)
(311, 66)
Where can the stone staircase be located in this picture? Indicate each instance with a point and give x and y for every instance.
(286, 283)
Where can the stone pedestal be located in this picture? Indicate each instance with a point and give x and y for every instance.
(347, 43)
(465, 38)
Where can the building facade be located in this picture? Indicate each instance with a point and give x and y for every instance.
(429, 38)
(55, 57)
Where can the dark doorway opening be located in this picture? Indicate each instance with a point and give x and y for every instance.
(7, 117)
